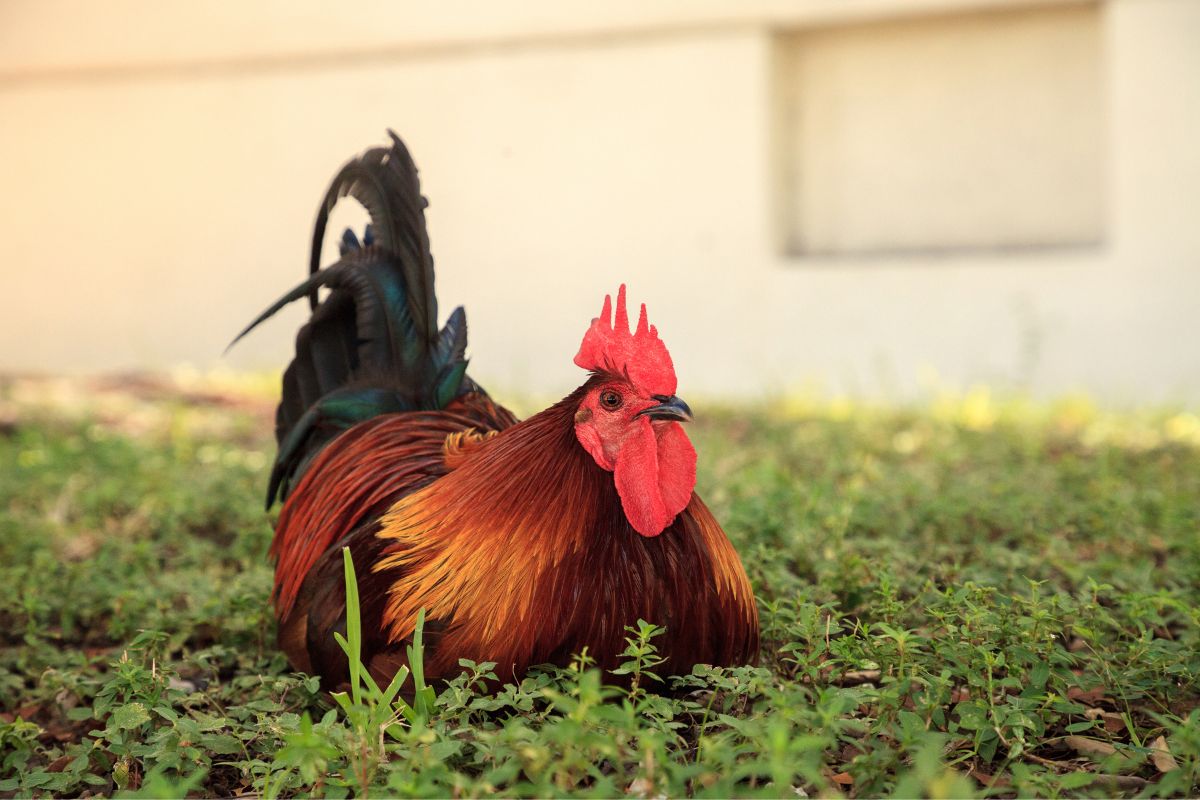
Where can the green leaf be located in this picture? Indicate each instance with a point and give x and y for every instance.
(222, 743)
(167, 713)
(130, 715)
(1039, 674)
(1076, 780)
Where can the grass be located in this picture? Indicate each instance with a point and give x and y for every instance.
(963, 598)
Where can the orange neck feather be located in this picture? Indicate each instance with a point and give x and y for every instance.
(474, 541)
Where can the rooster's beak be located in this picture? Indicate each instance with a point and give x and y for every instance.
(671, 408)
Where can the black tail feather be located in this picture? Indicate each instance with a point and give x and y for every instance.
(385, 181)
(372, 346)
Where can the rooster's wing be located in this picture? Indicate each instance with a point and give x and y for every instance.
(338, 503)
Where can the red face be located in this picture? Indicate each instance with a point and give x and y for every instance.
(640, 440)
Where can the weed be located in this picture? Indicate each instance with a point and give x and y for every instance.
(972, 597)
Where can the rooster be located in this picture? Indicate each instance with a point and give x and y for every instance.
(524, 542)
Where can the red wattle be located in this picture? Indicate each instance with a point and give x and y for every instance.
(676, 467)
(655, 475)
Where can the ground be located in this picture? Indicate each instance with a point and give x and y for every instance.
(960, 597)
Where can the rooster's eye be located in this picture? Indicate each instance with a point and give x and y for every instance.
(610, 400)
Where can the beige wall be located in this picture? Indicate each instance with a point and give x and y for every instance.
(947, 132)
(162, 174)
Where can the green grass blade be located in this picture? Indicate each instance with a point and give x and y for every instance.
(353, 626)
(393, 689)
(423, 696)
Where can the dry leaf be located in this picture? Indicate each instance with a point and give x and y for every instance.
(1113, 722)
(844, 778)
(1124, 783)
(1090, 696)
(1090, 747)
(29, 711)
(640, 787)
(80, 547)
(59, 764)
(849, 753)
(858, 677)
(1162, 758)
(1098, 751)
(991, 781)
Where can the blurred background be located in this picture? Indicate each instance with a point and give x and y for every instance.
(869, 197)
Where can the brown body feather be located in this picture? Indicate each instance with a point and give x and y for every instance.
(515, 544)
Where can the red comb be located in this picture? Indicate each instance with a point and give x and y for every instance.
(641, 355)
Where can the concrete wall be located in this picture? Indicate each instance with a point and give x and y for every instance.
(162, 173)
(950, 132)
